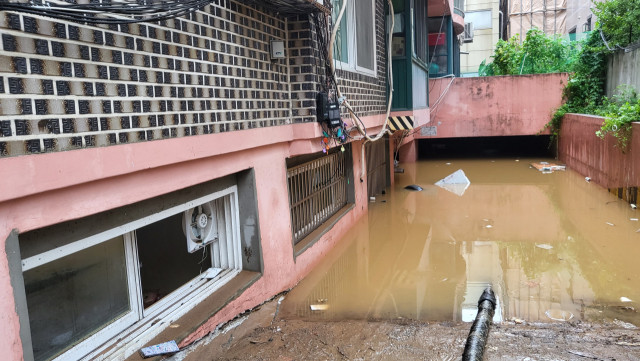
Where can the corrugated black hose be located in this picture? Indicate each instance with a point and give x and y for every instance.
(477, 339)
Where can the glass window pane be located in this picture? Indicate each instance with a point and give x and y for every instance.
(72, 297)
(438, 46)
(341, 46)
(420, 30)
(165, 263)
(364, 33)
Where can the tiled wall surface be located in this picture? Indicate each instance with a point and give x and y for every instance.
(65, 85)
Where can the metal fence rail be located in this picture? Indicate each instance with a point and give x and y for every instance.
(317, 190)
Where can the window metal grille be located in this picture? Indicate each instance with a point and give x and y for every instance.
(317, 190)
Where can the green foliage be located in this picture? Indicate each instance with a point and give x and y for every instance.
(620, 111)
(618, 19)
(584, 93)
(585, 90)
(538, 53)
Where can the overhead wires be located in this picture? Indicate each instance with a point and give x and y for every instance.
(359, 124)
(108, 12)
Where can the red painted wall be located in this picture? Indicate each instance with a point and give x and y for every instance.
(597, 158)
(493, 106)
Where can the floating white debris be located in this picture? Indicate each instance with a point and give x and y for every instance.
(611, 224)
(323, 307)
(633, 206)
(587, 179)
(546, 168)
(517, 160)
(559, 315)
(624, 299)
(456, 182)
(448, 163)
(488, 226)
(633, 219)
(544, 246)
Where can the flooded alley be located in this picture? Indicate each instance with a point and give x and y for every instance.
(560, 253)
(553, 246)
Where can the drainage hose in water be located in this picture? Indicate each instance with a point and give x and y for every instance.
(477, 340)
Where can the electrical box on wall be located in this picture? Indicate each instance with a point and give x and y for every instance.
(327, 111)
(277, 49)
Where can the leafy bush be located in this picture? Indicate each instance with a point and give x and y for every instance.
(585, 89)
(538, 53)
(618, 20)
(620, 111)
(585, 93)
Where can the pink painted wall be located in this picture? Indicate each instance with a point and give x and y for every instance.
(597, 158)
(41, 190)
(407, 150)
(494, 106)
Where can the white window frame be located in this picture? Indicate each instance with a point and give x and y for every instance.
(352, 45)
(139, 325)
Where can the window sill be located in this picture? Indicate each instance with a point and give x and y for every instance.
(325, 227)
(189, 322)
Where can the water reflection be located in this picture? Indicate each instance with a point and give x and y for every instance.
(543, 241)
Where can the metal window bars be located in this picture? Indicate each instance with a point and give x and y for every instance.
(317, 190)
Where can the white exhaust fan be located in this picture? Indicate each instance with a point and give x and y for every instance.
(200, 226)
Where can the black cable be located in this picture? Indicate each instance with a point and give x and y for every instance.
(108, 13)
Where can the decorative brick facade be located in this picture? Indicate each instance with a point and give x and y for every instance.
(65, 85)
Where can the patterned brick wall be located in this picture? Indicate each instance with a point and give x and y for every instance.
(65, 85)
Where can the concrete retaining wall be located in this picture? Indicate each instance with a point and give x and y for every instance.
(493, 106)
(624, 68)
(599, 159)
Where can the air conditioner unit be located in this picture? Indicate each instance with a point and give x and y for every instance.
(467, 35)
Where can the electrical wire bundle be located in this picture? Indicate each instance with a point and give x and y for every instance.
(286, 6)
(108, 12)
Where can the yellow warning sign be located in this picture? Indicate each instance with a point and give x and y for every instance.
(400, 123)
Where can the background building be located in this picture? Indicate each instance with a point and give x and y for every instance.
(483, 20)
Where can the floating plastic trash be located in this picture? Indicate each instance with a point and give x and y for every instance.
(413, 187)
(546, 167)
(559, 315)
(323, 307)
(624, 299)
(544, 246)
(456, 182)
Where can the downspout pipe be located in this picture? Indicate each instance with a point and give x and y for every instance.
(477, 339)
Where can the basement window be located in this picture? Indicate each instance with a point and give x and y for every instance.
(320, 187)
(126, 279)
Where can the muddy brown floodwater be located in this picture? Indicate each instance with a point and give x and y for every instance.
(562, 255)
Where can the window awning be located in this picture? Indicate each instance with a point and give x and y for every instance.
(293, 6)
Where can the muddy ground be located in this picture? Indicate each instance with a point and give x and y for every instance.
(261, 335)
